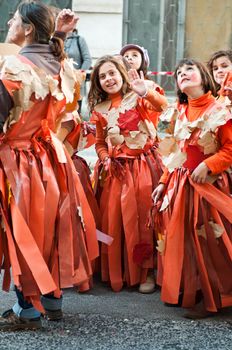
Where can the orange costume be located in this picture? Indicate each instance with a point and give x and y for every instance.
(196, 240)
(48, 234)
(125, 132)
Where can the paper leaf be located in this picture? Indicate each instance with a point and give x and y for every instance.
(174, 160)
(114, 136)
(147, 127)
(137, 142)
(201, 231)
(167, 146)
(112, 118)
(161, 245)
(165, 203)
(79, 210)
(208, 142)
(217, 229)
(69, 79)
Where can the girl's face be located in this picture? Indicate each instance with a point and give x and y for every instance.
(16, 31)
(189, 80)
(221, 66)
(110, 78)
(134, 58)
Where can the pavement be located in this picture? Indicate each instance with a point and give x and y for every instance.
(101, 320)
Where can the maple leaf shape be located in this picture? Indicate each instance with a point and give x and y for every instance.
(129, 120)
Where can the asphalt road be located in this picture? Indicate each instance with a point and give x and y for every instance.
(102, 319)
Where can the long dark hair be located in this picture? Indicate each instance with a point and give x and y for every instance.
(207, 81)
(41, 18)
(96, 93)
(215, 56)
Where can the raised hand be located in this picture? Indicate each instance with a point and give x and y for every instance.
(137, 82)
(226, 88)
(228, 92)
(66, 21)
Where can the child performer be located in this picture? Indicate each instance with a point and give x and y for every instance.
(220, 67)
(138, 58)
(128, 169)
(48, 233)
(196, 148)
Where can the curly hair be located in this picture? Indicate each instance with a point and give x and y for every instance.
(96, 93)
(207, 80)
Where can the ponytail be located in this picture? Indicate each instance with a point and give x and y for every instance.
(57, 48)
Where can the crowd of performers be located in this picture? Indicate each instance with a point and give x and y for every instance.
(155, 214)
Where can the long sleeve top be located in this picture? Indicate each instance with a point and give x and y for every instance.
(42, 57)
(154, 101)
(222, 159)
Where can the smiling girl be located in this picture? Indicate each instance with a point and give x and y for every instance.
(128, 170)
(194, 195)
(220, 67)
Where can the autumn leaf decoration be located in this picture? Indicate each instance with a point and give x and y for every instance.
(129, 120)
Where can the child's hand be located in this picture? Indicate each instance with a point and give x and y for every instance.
(106, 163)
(228, 92)
(226, 88)
(137, 83)
(199, 174)
(66, 21)
(156, 194)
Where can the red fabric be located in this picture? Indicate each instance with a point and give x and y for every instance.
(129, 120)
(195, 258)
(141, 252)
(124, 195)
(194, 157)
(47, 247)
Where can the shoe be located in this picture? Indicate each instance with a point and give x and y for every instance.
(198, 315)
(53, 315)
(198, 312)
(9, 321)
(148, 286)
(50, 315)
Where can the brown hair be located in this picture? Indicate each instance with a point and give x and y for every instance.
(215, 56)
(96, 93)
(207, 81)
(41, 18)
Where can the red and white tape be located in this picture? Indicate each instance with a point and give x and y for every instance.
(160, 73)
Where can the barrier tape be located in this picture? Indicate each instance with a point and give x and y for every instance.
(160, 73)
(88, 72)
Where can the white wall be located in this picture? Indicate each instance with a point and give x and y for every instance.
(101, 25)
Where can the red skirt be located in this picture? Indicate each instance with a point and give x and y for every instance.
(48, 233)
(124, 196)
(197, 232)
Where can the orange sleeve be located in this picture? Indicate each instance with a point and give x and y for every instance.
(156, 99)
(222, 160)
(164, 177)
(101, 145)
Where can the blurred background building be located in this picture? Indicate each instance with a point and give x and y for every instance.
(169, 29)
